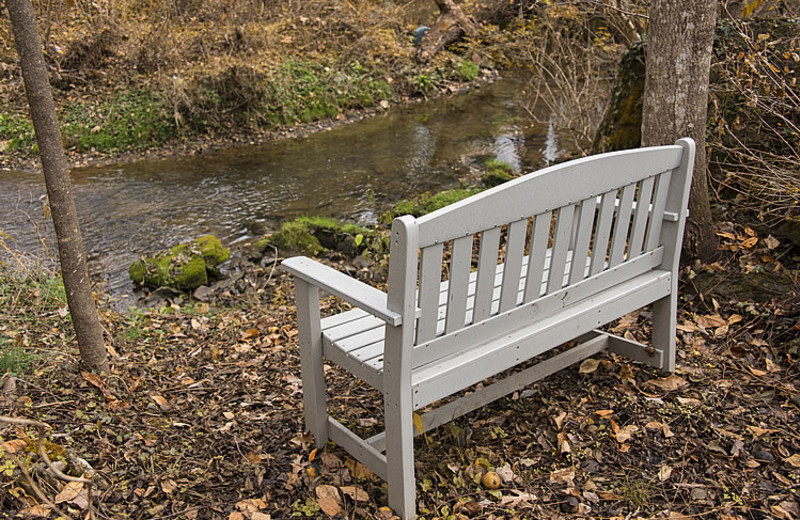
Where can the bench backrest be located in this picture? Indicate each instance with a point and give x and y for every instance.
(564, 232)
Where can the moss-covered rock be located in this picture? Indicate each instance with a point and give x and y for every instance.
(427, 203)
(185, 266)
(315, 235)
(497, 173)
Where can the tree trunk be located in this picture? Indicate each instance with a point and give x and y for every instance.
(71, 254)
(675, 103)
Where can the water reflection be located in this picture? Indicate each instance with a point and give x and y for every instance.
(356, 171)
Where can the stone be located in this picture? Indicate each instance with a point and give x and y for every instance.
(184, 267)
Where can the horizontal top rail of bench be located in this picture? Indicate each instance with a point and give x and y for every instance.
(542, 191)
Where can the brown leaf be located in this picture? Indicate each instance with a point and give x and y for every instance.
(760, 432)
(670, 383)
(794, 460)
(69, 492)
(328, 499)
(355, 492)
(168, 486)
(710, 321)
(161, 402)
(15, 445)
(664, 473)
(625, 433)
(589, 366)
(772, 242)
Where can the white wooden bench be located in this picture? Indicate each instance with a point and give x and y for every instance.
(560, 252)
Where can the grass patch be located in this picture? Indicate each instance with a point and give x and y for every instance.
(127, 121)
(15, 359)
(16, 133)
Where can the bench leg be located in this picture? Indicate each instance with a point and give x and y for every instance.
(313, 375)
(400, 454)
(665, 319)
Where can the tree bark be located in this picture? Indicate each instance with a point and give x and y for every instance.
(675, 102)
(451, 25)
(71, 254)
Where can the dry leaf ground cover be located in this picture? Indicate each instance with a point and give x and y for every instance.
(201, 418)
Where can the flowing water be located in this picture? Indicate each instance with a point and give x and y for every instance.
(355, 172)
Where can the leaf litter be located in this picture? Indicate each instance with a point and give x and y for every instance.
(201, 418)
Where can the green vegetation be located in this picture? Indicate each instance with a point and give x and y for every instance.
(126, 121)
(497, 172)
(427, 203)
(16, 133)
(314, 235)
(185, 266)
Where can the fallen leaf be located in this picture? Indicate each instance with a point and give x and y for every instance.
(519, 497)
(689, 401)
(236, 515)
(168, 486)
(37, 510)
(251, 505)
(756, 372)
(328, 499)
(69, 492)
(418, 423)
(604, 413)
(625, 433)
(589, 366)
(771, 242)
(670, 383)
(759, 432)
(794, 460)
(559, 419)
(772, 366)
(711, 321)
(355, 492)
(664, 473)
(563, 476)
(161, 401)
(15, 445)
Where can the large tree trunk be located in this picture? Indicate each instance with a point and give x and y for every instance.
(675, 103)
(59, 190)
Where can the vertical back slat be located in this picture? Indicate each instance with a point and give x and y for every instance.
(487, 267)
(659, 203)
(561, 242)
(512, 271)
(620, 238)
(640, 217)
(430, 278)
(602, 232)
(582, 237)
(459, 284)
(541, 234)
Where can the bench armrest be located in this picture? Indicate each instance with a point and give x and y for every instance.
(345, 287)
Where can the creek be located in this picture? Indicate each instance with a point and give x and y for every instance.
(355, 171)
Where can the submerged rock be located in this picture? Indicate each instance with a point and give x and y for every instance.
(185, 266)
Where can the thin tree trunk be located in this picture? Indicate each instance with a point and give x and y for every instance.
(675, 103)
(59, 190)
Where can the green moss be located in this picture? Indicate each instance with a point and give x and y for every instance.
(185, 266)
(315, 235)
(497, 172)
(427, 203)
